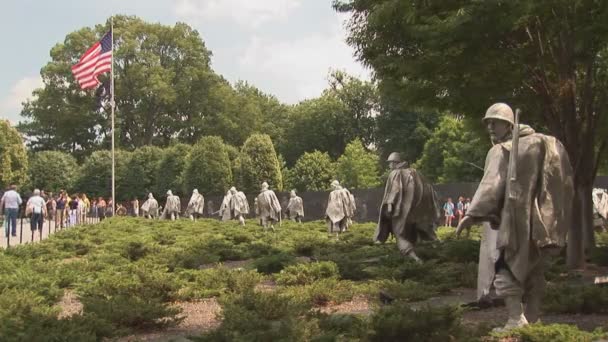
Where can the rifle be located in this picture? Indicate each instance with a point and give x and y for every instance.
(509, 215)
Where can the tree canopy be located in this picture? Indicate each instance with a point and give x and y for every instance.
(313, 171)
(13, 157)
(52, 171)
(357, 168)
(208, 167)
(549, 58)
(259, 163)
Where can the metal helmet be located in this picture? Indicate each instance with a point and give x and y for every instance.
(500, 111)
(394, 157)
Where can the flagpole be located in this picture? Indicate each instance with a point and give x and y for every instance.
(112, 104)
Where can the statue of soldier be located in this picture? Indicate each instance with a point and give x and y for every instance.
(340, 209)
(150, 207)
(295, 207)
(524, 198)
(224, 211)
(238, 205)
(268, 207)
(409, 208)
(196, 205)
(172, 207)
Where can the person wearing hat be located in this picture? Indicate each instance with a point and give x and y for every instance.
(196, 205)
(409, 208)
(340, 209)
(268, 207)
(172, 206)
(525, 211)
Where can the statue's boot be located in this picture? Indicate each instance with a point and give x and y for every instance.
(516, 314)
(413, 255)
(533, 309)
(242, 220)
(191, 218)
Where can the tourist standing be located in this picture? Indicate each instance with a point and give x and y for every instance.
(11, 200)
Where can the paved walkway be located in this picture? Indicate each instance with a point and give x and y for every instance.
(24, 232)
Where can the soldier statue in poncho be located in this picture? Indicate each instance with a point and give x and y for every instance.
(196, 205)
(295, 207)
(268, 207)
(238, 205)
(150, 207)
(409, 209)
(172, 206)
(340, 209)
(524, 201)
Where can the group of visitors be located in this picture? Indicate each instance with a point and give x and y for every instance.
(455, 211)
(64, 209)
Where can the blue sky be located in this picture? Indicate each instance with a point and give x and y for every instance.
(284, 47)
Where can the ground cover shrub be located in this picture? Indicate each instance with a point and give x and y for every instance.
(599, 256)
(32, 276)
(262, 316)
(274, 263)
(25, 316)
(198, 284)
(553, 333)
(306, 274)
(563, 298)
(340, 327)
(322, 292)
(397, 322)
(406, 291)
(132, 297)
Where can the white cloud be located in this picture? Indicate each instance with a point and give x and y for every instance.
(297, 69)
(249, 13)
(10, 105)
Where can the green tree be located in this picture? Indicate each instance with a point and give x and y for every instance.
(13, 157)
(453, 153)
(345, 111)
(549, 58)
(313, 171)
(208, 167)
(357, 168)
(164, 88)
(170, 172)
(52, 171)
(259, 163)
(141, 172)
(95, 176)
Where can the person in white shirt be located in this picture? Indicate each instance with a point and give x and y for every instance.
(36, 206)
(11, 200)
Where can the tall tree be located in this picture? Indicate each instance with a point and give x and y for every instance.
(344, 111)
(141, 172)
(357, 168)
(453, 153)
(313, 171)
(170, 172)
(52, 171)
(95, 176)
(164, 88)
(208, 167)
(548, 57)
(13, 157)
(259, 163)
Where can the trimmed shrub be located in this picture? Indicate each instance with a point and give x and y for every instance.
(306, 274)
(398, 322)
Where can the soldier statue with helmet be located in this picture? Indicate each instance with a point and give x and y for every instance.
(409, 208)
(524, 202)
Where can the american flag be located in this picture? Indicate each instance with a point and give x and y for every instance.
(96, 61)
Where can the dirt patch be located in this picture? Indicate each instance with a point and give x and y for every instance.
(268, 285)
(359, 305)
(199, 316)
(70, 304)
